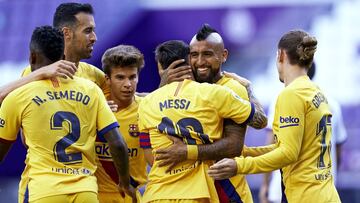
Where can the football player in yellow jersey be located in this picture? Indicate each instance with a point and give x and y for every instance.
(207, 54)
(76, 20)
(302, 127)
(77, 23)
(61, 156)
(188, 110)
(122, 65)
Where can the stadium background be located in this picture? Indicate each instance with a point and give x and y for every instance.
(251, 30)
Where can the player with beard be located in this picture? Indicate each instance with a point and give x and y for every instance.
(207, 54)
(76, 21)
(302, 129)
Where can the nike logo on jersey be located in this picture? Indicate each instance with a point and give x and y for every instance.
(288, 121)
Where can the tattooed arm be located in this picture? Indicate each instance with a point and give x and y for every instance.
(229, 146)
(259, 120)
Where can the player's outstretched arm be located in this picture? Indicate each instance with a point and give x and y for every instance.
(60, 68)
(4, 148)
(259, 120)
(119, 153)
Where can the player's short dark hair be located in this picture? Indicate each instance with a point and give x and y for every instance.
(122, 56)
(170, 51)
(48, 41)
(65, 13)
(299, 46)
(204, 32)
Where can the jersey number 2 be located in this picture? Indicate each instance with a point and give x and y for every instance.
(69, 139)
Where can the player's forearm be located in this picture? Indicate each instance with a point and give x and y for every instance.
(224, 148)
(257, 151)
(229, 146)
(5, 90)
(259, 119)
(121, 161)
(276, 159)
(119, 153)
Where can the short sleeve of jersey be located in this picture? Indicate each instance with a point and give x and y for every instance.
(105, 118)
(144, 132)
(10, 119)
(26, 71)
(232, 106)
(101, 81)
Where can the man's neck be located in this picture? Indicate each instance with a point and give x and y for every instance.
(71, 57)
(123, 104)
(292, 73)
(217, 77)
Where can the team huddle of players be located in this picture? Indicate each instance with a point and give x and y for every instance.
(91, 137)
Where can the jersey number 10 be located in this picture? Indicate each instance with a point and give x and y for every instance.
(181, 129)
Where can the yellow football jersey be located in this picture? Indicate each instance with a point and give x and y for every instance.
(194, 112)
(106, 173)
(235, 188)
(302, 128)
(86, 71)
(60, 119)
(234, 86)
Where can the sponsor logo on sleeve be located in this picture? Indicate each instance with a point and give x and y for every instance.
(289, 121)
(2, 123)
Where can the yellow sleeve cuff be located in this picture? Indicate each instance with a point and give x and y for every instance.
(239, 163)
(192, 152)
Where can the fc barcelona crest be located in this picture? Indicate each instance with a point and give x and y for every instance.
(134, 130)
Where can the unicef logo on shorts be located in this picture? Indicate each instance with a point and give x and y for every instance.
(86, 171)
(2, 122)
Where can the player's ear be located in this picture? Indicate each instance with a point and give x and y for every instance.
(160, 69)
(67, 32)
(108, 79)
(280, 55)
(225, 55)
(32, 58)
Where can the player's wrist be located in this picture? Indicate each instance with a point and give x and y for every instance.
(38, 75)
(239, 164)
(192, 152)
